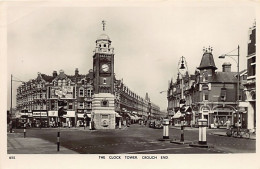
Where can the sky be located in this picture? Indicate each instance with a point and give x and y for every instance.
(148, 40)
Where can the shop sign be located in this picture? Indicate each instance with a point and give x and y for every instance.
(64, 92)
(53, 113)
(38, 114)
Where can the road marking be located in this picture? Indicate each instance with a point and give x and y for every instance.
(134, 152)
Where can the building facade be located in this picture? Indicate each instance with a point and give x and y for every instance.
(250, 86)
(97, 96)
(208, 94)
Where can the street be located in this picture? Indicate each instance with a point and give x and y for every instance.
(135, 139)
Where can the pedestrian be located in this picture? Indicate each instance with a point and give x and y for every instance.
(228, 123)
(11, 126)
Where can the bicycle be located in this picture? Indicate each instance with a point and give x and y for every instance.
(241, 133)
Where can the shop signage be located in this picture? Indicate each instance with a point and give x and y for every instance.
(39, 114)
(64, 92)
(53, 113)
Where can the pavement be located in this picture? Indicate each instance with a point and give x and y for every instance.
(218, 132)
(17, 144)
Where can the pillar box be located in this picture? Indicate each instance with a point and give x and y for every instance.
(203, 123)
(166, 123)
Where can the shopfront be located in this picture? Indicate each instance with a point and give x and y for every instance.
(40, 119)
(69, 119)
(53, 118)
(221, 115)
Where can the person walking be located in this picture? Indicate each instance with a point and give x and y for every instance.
(228, 123)
(11, 126)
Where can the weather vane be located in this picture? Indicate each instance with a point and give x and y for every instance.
(104, 23)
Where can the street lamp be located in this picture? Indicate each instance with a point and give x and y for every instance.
(237, 61)
(182, 70)
(238, 74)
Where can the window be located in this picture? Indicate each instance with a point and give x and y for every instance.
(253, 68)
(223, 94)
(205, 97)
(81, 92)
(104, 81)
(89, 105)
(89, 93)
(70, 107)
(81, 105)
(52, 105)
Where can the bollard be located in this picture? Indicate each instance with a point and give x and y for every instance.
(119, 125)
(24, 130)
(58, 141)
(182, 132)
(203, 123)
(90, 126)
(165, 129)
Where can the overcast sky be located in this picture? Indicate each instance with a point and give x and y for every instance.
(148, 40)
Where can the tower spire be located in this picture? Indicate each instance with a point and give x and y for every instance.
(104, 23)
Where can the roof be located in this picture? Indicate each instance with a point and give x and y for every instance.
(103, 37)
(227, 77)
(207, 61)
(47, 78)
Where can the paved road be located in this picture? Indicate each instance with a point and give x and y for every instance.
(138, 139)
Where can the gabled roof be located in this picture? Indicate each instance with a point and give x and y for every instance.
(47, 78)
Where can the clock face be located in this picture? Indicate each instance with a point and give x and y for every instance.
(105, 67)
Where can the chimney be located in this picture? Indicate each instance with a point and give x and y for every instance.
(54, 74)
(226, 67)
(76, 72)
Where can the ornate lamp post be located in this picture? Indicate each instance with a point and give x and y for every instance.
(182, 70)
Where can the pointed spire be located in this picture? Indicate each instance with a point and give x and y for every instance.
(104, 24)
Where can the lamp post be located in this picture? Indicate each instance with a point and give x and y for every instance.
(238, 74)
(182, 69)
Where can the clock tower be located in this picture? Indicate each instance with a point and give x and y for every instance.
(103, 106)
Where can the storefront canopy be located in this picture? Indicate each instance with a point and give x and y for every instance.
(177, 115)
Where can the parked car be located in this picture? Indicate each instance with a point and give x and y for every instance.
(158, 125)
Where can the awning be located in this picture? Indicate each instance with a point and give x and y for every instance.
(177, 115)
(117, 115)
(70, 114)
(80, 115)
(53, 113)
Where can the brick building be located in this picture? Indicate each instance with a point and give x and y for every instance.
(209, 94)
(250, 86)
